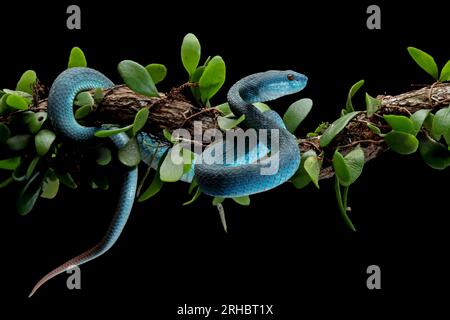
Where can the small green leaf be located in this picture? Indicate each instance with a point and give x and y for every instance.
(10, 164)
(261, 106)
(43, 141)
(197, 194)
(36, 120)
(341, 204)
(67, 180)
(137, 78)
(227, 124)
(190, 53)
(130, 154)
(28, 195)
(441, 123)
(192, 186)
(312, 167)
(4, 108)
(50, 185)
(18, 142)
(336, 127)
(224, 108)
(84, 98)
(296, 113)
(6, 182)
(445, 72)
(32, 166)
(212, 78)
(418, 119)
(5, 133)
(21, 94)
(76, 58)
(425, 61)
(171, 171)
(168, 136)
(434, 154)
(351, 93)
(374, 129)
(98, 95)
(400, 123)
(195, 78)
(154, 187)
(27, 81)
(111, 132)
(301, 178)
(348, 168)
(140, 120)
(372, 105)
(243, 201)
(104, 156)
(17, 102)
(100, 180)
(83, 111)
(217, 200)
(401, 142)
(157, 71)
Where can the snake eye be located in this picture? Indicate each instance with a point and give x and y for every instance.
(290, 77)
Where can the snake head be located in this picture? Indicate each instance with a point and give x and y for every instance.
(276, 84)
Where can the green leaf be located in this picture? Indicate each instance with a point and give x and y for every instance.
(111, 132)
(157, 71)
(67, 180)
(154, 187)
(27, 81)
(418, 119)
(137, 78)
(445, 72)
(104, 156)
(348, 168)
(351, 93)
(342, 206)
(224, 108)
(18, 142)
(195, 78)
(261, 106)
(425, 61)
(50, 185)
(98, 95)
(84, 98)
(301, 178)
(192, 186)
(27, 196)
(6, 182)
(76, 58)
(336, 127)
(17, 102)
(190, 53)
(441, 123)
(296, 113)
(312, 167)
(435, 154)
(100, 180)
(197, 194)
(374, 129)
(170, 171)
(22, 94)
(130, 154)
(140, 120)
(217, 200)
(400, 123)
(243, 201)
(372, 105)
(212, 78)
(3, 105)
(83, 111)
(5, 133)
(168, 136)
(32, 166)
(226, 123)
(36, 120)
(10, 164)
(43, 141)
(401, 142)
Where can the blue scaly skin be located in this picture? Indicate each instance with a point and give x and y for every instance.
(240, 178)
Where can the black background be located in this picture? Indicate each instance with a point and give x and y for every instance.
(290, 248)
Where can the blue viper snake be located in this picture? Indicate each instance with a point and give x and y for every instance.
(243, 177)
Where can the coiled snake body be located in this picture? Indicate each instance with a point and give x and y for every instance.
(240, 178)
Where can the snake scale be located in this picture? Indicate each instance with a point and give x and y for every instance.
(242, 177)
